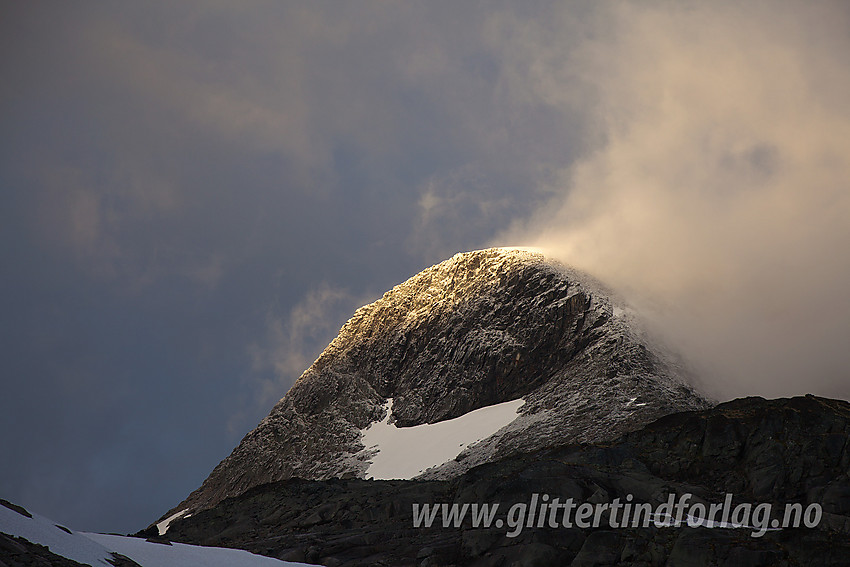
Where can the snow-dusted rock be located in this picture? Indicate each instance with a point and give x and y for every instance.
(480, 329)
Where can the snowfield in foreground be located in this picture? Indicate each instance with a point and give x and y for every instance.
(149, 554)
(96, 549)
(39, 529)
(406, 452)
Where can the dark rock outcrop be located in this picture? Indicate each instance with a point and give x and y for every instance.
(763, 451)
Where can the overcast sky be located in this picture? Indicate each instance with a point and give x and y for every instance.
(196, 196)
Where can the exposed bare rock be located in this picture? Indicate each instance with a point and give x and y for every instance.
(480, 328)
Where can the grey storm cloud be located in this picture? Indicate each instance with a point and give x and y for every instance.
(197, 195)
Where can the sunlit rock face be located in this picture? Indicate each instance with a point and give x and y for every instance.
(479, 329)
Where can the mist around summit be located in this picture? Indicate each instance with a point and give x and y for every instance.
(717, 197)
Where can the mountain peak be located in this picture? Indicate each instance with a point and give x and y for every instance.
(480, 329)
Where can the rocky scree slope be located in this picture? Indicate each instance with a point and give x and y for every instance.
(478, 329)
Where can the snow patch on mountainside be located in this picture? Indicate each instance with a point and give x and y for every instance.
(162, 526)
(406, 452)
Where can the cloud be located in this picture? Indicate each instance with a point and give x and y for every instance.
(460, 206)
(715, 191)
(207, 272)
(293, 341)
(168, 112)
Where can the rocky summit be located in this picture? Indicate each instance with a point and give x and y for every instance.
(480, 329)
